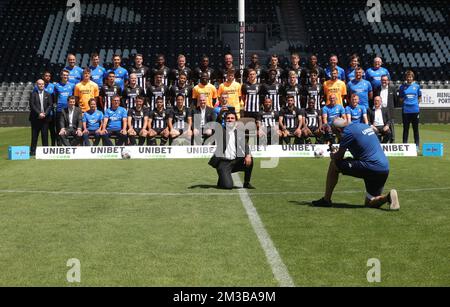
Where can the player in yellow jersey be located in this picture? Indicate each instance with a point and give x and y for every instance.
(336, 87)
(85, 90)
(233, 90)
(204, 88)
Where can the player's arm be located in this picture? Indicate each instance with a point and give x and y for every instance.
(339, 154)
(105, 124)
(130, 129)
(170, 122)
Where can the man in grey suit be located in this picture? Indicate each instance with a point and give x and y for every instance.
(232, 155)
(389, 100)
(41, 104)
(71, 125)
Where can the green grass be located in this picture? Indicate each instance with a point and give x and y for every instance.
(195, 237)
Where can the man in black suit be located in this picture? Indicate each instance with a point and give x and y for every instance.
(71, 125)
(380, 121)
(232, 154)
(201, 116)
(41, 104)
(389, 100)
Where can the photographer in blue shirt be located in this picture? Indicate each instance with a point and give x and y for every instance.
(369, 163)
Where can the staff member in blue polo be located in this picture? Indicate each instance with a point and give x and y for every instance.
(115, 123)
(369, 163)
(410, 96)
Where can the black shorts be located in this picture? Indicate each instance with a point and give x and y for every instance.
(374, 181)
(251, 114)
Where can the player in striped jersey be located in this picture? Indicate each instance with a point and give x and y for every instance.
(313, 66)
(158, 89)
(181, 87)
(313, 122)
(226, 67)
(180, 121)
(295, 66)
(161, 68)
(268, 124)
(313, 89)
(141, 71)
(291, 122)
(204, 68)
(274, 65)
(137, 122)
(272, 89)
(256, 66)
(108, 91)
(181, 68)
(292, 88)
(131, 92)
(251, 95)
(157, 124)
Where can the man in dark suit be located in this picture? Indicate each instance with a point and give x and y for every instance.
(41, 104)
(232, 154)
(201, 115)
(389, 100)
(380, 121)
(71, 125)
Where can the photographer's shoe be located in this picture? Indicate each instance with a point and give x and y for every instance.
(321, 203)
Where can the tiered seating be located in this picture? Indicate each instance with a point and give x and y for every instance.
(411, 35)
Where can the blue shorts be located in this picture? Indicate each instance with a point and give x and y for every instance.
(374, 181)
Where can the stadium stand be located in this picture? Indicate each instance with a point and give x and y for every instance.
(410, 35)
(36, 36)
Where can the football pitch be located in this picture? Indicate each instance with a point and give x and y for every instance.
(162, 223)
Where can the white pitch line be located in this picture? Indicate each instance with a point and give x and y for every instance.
(203, 194)
(279, 269)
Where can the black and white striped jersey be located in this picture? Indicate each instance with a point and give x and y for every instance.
(314, 91)
(292, 90)
(142, 76)
(175, 74)
(273, 91)
(130, 94)
(179, 118)
(290, 117)
(137, 117)
(107, 93)
(159, 119)
(158, 91)
(198, 73)
(166, 74)
(312, 118)
(268, 119)
(253, 97)
(259, 73)
(186, 91)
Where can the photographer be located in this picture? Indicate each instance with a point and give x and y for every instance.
(369, 163)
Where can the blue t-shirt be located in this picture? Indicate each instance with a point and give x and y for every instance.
(356, 113)
(341, 73)
(333, 112)
(115, 118)
(121, 76)
(49, 88)
(75, 74)
(363, 143)
(62, 92)
(350, 74)
(93, 119)
(410, 93)
(362, 89)
(374, 76)
(97, 75)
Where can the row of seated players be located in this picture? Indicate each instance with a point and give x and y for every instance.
(138, 124)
